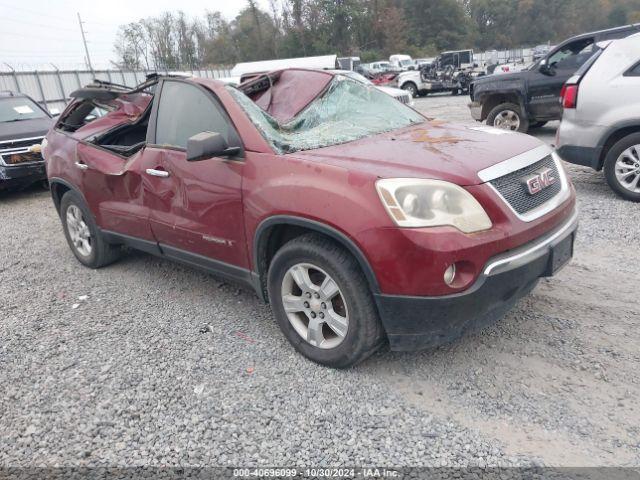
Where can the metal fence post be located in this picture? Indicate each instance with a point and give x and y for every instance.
(15, 77)
(40, 89)
(60, 84)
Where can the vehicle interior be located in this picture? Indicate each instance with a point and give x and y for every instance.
(572, 55)
(100, 98)
(126, 139)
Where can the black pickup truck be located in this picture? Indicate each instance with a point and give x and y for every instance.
(530, 98)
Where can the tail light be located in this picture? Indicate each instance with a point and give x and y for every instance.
(569, 95)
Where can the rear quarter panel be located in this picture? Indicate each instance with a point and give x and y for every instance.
(606, 95)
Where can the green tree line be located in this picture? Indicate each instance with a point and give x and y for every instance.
(371, 29)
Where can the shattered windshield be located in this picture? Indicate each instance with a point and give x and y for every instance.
(347, 111)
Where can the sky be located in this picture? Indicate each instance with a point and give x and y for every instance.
(34, 34)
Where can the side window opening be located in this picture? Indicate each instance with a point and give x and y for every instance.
(127, 139)
(633, 71)
(184, 111)
(82, 114)
(573, 55)
(95, 101)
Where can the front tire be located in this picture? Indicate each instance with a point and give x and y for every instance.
(508, 116)
(323, 303)
(411, 88)
(82, 234)
(622, 167)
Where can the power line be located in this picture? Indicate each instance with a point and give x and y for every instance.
(41, 25)
(33, 12)
(49, 38)
(50, 55)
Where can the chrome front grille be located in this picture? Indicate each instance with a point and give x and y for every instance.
(514, 190)
(13, 152)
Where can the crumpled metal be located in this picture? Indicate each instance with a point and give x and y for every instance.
(346, 111)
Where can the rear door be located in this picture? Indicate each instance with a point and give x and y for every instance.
(195, 207)
(110, 179)
(113, 186)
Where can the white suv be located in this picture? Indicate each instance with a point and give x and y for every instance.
(601, 119)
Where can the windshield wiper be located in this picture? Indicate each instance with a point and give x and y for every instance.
(17, 120)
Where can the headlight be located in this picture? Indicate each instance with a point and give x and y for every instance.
(413, 202)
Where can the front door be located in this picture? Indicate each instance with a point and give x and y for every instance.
(544, 89)
(195, 206)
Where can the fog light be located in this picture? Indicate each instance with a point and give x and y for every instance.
(450, 274)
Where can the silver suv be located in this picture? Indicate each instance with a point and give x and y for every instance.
(601, 119)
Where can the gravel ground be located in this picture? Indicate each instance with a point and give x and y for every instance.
(147, 362)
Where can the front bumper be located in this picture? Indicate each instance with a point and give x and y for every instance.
(476, 111)
(414, 323)
(21, 175)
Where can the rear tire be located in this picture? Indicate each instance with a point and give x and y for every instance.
(622, 167)
(83, 236)
(360, 332)
(508, 116)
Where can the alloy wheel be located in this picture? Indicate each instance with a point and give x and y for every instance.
(315, 305)
(413, 91)
(79, 231)
(627, 169)
(507, 120)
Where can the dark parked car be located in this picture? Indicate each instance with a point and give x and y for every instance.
(359, 220)
(23, 125)
(530, 98)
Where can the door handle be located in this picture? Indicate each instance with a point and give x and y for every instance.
(157, 173)
(81, 166)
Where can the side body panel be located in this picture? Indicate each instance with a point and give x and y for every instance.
(115, 189)
(404, 261)
(543, 93)
(198, 207)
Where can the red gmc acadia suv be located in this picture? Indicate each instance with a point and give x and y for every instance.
(359, 220)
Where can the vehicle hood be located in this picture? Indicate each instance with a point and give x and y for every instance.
(519, 75)
(433, 149)
(36, 127)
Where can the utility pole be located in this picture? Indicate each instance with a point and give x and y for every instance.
(84, 40)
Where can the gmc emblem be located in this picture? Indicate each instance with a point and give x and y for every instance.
(539, 181)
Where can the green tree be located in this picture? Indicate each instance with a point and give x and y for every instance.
(442, 23)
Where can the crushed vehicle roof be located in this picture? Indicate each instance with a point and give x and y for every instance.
(285, 93)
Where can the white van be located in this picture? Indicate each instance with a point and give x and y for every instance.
(402, 62)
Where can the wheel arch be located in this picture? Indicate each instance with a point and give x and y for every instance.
(489, 101)
(613, 136)
(410, 82)
(59, 187)
(275, 231)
